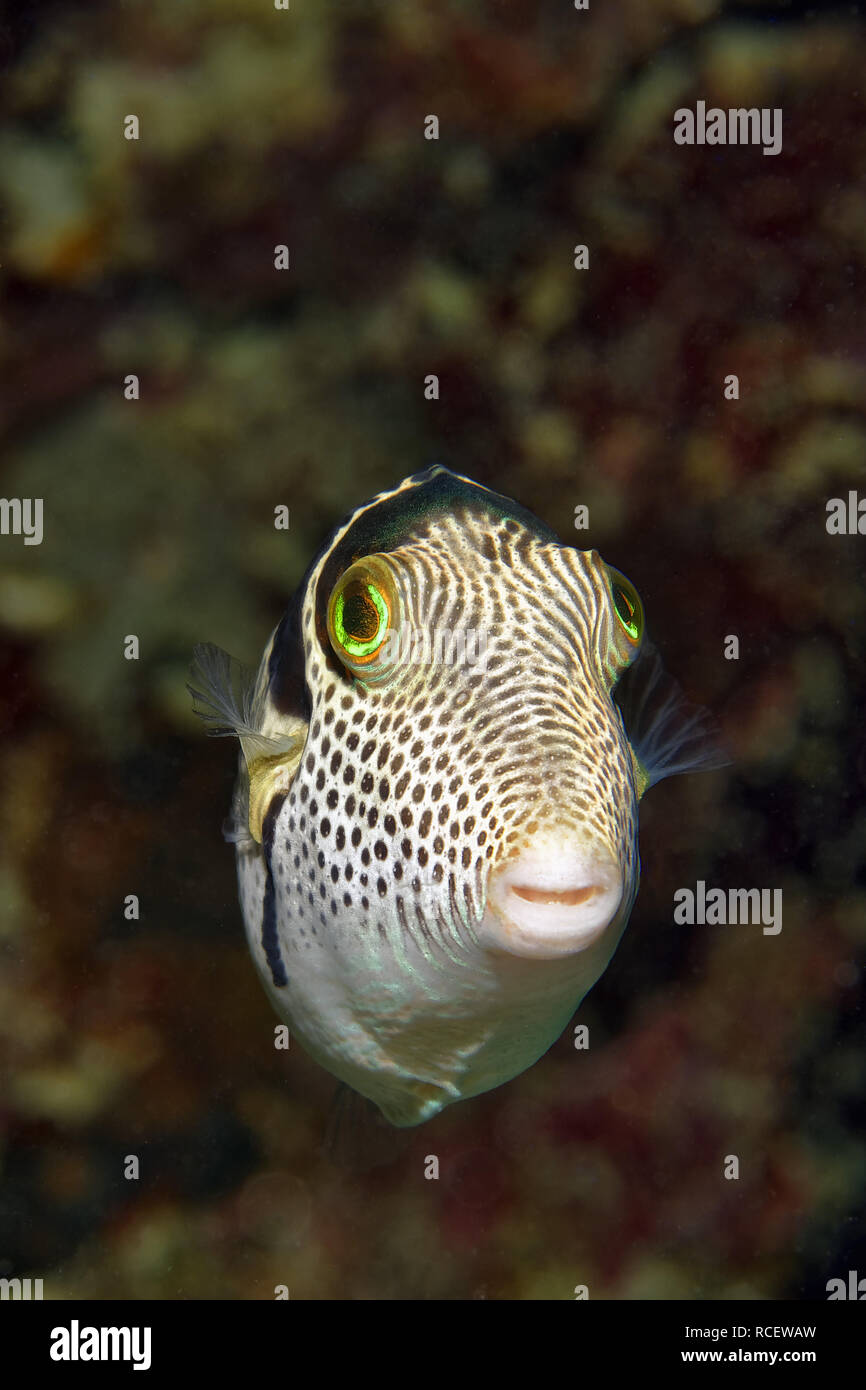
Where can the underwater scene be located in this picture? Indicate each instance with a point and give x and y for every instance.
(432, 659)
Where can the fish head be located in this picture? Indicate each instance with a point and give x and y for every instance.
(464, 760)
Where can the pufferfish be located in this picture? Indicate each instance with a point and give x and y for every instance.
(437, 841)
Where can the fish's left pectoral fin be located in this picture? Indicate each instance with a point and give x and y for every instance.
(668, 734)
(222, 691)
(228, 698)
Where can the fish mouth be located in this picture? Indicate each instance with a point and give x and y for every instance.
(567, 897)
(555, 898)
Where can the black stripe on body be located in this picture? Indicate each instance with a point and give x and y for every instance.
(270, 938)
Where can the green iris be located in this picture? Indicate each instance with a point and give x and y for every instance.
(360, 619)
(627, 605)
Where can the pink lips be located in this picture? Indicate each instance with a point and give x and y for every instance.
(556, 898)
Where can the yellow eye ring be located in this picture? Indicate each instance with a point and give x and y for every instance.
(360, 612)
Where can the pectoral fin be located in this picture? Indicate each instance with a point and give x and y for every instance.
(667, 734)
(230, 699)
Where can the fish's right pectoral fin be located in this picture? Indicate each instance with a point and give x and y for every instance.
(668, 734)
(231, 700)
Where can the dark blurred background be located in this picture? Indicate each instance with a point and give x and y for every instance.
(305, 388)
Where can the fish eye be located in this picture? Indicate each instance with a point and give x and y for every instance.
(359, 613)
(626, 605)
